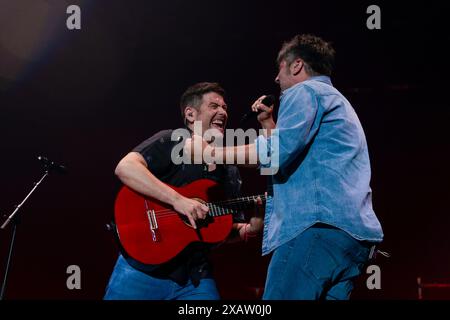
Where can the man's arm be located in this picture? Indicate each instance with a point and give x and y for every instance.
(132, 171)
(246, 153)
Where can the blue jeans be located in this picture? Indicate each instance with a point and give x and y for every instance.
(320, 263)
(127, 283)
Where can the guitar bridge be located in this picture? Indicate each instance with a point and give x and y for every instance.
(153, 223)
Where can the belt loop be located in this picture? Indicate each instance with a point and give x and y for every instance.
(372, 252)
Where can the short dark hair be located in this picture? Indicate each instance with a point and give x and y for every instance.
(194, 94)
(317, 54)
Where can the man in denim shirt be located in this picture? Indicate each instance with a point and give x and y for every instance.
(319, 224)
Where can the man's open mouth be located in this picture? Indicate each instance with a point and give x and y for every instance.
(218, 124)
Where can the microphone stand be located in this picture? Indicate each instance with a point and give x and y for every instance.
(15, 222)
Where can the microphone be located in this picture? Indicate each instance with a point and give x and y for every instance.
(52, 166)
(268, 101)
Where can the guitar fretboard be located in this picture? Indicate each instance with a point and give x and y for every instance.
(233, 206)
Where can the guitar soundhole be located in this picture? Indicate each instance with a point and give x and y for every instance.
(201, 223)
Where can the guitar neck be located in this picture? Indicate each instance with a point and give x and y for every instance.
(233, 206)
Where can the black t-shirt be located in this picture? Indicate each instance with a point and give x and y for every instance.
(192, 262)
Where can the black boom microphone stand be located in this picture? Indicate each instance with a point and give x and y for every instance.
(48, 166)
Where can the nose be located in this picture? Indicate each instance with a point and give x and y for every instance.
(277, 79)
(223, 111)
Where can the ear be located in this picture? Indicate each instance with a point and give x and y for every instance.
(296, 66)
(190, 114)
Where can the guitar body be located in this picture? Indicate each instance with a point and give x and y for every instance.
(133, 219)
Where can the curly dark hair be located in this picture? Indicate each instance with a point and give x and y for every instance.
(194, 94)
(317, 54)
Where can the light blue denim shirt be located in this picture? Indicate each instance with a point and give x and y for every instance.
(324, 167)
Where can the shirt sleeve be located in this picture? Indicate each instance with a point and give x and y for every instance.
(297, 124)
(156, 151)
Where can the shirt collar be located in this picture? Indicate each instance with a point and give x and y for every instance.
(324, 79)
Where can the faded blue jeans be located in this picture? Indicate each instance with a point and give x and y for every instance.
(127, 283)
(320, 263)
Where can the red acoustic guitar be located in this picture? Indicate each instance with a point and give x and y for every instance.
(151, 232)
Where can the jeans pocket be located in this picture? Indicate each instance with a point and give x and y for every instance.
(321, 261)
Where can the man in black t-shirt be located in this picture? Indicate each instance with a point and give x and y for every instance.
(146, 170)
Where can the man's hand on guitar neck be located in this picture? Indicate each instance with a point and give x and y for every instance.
(256, 222)
(243, 231)
(191, 208)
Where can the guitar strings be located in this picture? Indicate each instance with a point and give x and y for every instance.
(226, 202)
(171, 212)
